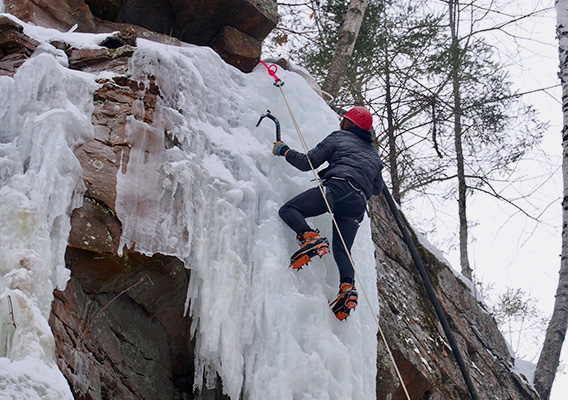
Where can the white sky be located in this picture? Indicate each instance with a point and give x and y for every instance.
(508, 248)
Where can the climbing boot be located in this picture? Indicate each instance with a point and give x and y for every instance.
(311, 245)
(345, 302)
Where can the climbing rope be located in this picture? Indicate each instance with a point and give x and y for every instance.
(272, 69)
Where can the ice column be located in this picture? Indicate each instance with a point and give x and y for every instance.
(45, 113)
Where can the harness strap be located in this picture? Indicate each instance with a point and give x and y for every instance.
(356, 189)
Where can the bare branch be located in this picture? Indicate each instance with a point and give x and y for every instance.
(113, 299)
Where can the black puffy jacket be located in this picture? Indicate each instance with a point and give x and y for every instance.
(350, 154)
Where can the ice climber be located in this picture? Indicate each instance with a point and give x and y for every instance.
(352, 176)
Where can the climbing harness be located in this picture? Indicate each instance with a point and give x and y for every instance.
(416, 258)
(357, 190)
(279, 83)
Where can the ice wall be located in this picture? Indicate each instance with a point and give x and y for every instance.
(265, 329)
(212, 201)
(44, 114)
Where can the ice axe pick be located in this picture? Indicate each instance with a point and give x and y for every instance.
(267, 114)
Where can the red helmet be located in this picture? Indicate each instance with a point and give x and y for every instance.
(361, 117)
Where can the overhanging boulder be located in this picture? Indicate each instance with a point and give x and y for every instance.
(235, 27)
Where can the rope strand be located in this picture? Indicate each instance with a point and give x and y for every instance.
(320, 186)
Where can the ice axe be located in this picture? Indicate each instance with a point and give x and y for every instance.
(273, 118)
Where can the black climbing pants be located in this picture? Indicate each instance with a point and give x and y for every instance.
(348, 208)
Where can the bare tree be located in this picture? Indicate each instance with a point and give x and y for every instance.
(478, 113)
(449, 127)
(520, 319)
(547, 365)
(399, 65)
(455, 59)
(345, 45)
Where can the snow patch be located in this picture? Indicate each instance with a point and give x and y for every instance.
(75, 39)
(525, 369)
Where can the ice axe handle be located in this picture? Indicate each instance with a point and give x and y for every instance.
(273, 118)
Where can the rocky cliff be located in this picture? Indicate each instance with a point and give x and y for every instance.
(119, 324)
(233, 28)
(415, 334)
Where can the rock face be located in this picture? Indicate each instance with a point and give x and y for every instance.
(58, 14)
(15, 47)
(233, 28)
(119, 325)
(415, 335)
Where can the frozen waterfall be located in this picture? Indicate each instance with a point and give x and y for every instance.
(212, 201)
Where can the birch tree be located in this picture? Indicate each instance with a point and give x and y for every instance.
(345, 45)
(549, 359)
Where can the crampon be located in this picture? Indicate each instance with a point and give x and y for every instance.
(300, 260)
(345, 302)
(312, 244)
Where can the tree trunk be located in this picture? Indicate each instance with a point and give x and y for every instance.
(462, 184)
(549, 357)
(393, 165)
(345, 45)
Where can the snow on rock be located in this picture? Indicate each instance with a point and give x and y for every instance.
(525, 369)
(440, 256)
